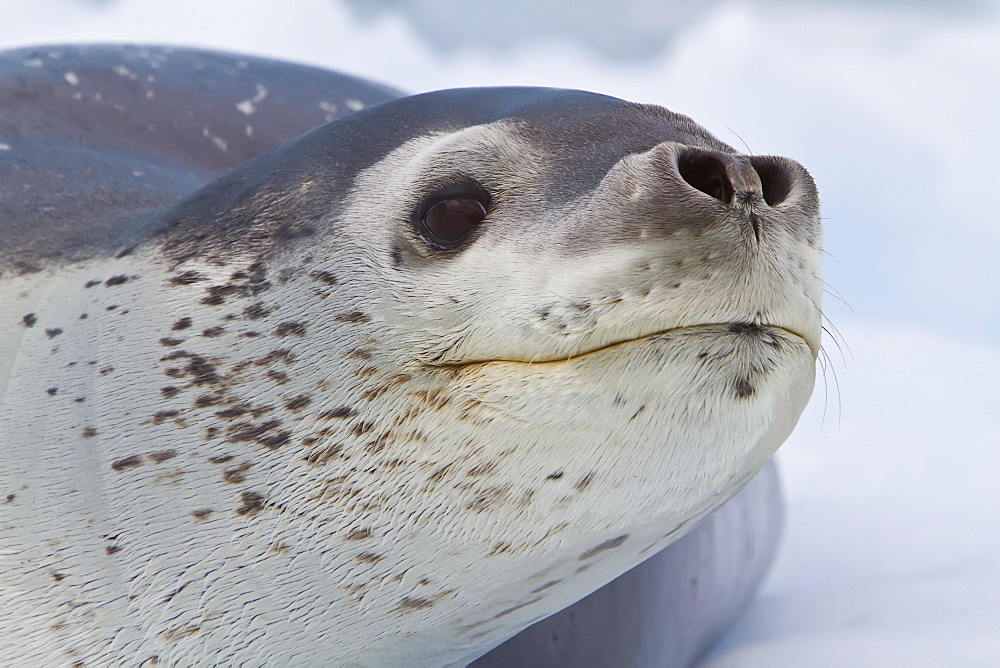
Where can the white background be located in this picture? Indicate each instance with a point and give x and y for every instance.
(892, 551)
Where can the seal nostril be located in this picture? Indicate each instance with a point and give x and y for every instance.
(707, 174)
(775, 181)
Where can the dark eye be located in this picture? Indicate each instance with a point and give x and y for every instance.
(449, 222)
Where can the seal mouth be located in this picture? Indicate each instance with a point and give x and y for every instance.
(738, 328)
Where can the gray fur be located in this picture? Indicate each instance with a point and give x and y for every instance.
(101, 139)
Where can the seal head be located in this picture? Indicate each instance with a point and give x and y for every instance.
(402, 386)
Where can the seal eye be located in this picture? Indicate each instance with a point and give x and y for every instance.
(448, 223)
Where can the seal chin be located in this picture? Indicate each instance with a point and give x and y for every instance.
(759, 329)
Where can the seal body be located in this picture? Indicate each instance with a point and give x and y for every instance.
(278, 421)
(672, 608)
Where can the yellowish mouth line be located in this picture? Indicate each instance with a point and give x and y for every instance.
(675, 330)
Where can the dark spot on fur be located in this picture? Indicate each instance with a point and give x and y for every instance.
(606, 545)
(213, 332)
(298, 402)
(279, 354)
(201, 514)
(111, 308)
(745, 328)
(359, 354)
(201, 370)
(54, 332)
(246, 431)
(219, 459)
(397, 257)
(376, 446)
(89, 432)
(169, 391)
(361, 428)
(324, 277)
(233, 412)
(338, 413)
(10, 498)
(162, 456)
(290, 329)
(52, 391)
(256, 311)
(111, 549)
(162, 416)
(253, 283)
(169, 342)
(584, 482)
(703, 354)
(486, 498)
(83, 316)
(211, 432)
(278, 376)
(29, 320)
(742, 388)
(409, 603)
(183, 323)
(353, 316)
(106, 370)
(176, 633)
(550, 583)
(554, 476)
(320, 457)
(377, 392)
(234, 474)
(79, 400)
(116, 280)
(440, 473)
(253, 503)
(368, 557)
(126, 463)
(187, 278)
(516, 608)
(275, 441)
(206, 400)
(359, 534)
(58, 576)
(481, 469)
(90, 284)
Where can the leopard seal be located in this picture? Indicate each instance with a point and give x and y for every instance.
(386, 393)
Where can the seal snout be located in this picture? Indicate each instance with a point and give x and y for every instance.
(727, 177)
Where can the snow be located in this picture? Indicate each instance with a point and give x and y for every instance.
(892, 551)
